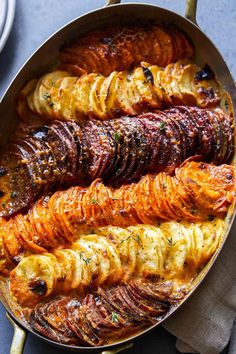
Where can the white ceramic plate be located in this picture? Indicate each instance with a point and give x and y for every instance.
(3, 10)
(7, 12)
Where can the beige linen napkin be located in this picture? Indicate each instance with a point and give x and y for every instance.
(204, 324)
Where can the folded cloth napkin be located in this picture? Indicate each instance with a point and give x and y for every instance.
(204, 323)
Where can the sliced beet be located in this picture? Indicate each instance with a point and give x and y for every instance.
(27, 160)
(111, 126)
(123, 138)
(178, 139)
(65, 156)
(40, 158)
(108, 151)
(71, 146)
(140, 151)
(164, 148)
(17, 181)
(206, 132)
(107, 167)
(99, 145)
(130, 131)
(58, 148)
(150, 122)
(150, 307)
(42, 320)
(189, 130)
(73, 319)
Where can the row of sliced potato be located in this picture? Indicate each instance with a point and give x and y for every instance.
(57, 95)
(171, 251)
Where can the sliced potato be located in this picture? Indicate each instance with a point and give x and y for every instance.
(103, 266)
(45, 84)
(111, 101)
(185, 85)
(124, 92)
(151, 250)
(80, 103)
(32, 280)
(94, 98)
(172, 251)
(123, 100)
(144, 87)
(61, 94)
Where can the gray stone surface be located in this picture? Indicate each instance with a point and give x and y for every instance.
(35, 20)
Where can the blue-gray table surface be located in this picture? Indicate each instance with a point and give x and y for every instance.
(37, 20)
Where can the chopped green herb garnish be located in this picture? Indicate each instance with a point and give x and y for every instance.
(117, 136)
(138, 239)
(94, 201)
(114, 317)
(3, 205)
(125, 239)
(86, 260)
(162, 126)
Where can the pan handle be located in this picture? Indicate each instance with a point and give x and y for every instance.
(19, 337)
(112, 2)
(190, 12)
(117, 350)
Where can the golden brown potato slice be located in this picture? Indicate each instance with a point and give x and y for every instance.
(107, 250)
(102, 269)
(152, 247)
(80, 103)
(63, 97)
(34, 278)
(185, 85)
(45, 102)
(94, 98)
(111, 101)
(160, 92)
(144, 87)
(66, 262)
(123, 99)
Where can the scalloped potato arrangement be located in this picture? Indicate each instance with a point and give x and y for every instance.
(56, 95)
(117, 188)
(114, 254)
